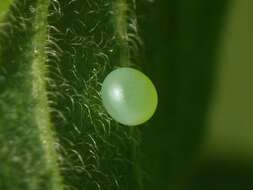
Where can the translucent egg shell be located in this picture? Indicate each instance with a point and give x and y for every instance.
(129, 96)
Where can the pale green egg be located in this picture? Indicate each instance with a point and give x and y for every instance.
(129, 96)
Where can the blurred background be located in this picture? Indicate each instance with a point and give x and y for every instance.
(226, 161)
(203, 68)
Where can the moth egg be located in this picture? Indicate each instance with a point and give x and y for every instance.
(129, 96)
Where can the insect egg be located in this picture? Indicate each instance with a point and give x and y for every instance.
(129, 96)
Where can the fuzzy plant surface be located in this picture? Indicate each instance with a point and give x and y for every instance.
(54, 130)
(54, 54)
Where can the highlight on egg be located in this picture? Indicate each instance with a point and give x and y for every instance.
(129, 96)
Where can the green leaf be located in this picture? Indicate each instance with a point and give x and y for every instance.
(4, 7)
(28, 159)
(63, 69)
(54, 131)
(87, 40)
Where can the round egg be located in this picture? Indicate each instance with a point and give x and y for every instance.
(129, 96)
